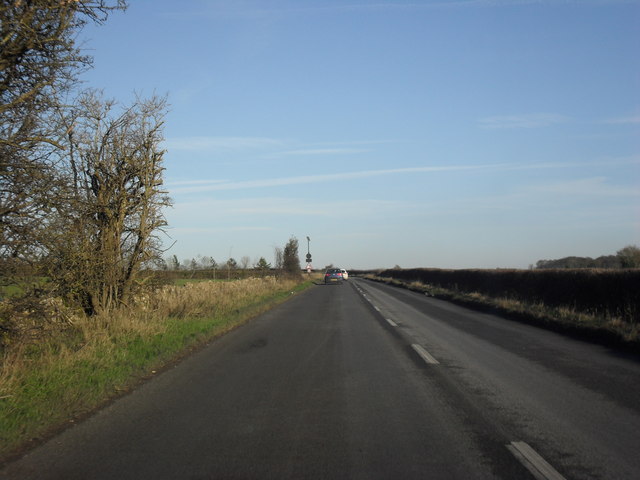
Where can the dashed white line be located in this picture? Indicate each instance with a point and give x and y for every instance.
(537, 465)
(426, 356)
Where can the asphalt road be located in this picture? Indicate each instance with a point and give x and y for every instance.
(366, 381)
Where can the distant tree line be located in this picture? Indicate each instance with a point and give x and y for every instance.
(286, 262)
(627, 257)
(207, 267)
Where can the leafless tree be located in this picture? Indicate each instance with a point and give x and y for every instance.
(39, 62)
(108, 213)
(278, 259)
(244, 262)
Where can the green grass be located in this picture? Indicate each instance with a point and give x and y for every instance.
(10, 291)
(15, 289)
(50, 384)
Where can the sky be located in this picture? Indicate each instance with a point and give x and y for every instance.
(444, 134)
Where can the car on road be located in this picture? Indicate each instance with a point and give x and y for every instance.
(345, 274)
(333, 275)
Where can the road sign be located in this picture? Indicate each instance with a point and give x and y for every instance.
(308, 257)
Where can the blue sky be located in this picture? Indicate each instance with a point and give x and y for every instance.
(450, 134)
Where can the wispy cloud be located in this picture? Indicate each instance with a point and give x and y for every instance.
(335, 148)
(263, 207)
(531, 120)
(211, 230)
(211, 144)
(591, 187)
(217, 185)
(278, 182)
(623, 120)
(182, 183)
(325, 151)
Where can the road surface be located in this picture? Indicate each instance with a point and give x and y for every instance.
(367, 381)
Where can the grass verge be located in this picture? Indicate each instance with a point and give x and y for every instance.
(602, 329)
(51, 382)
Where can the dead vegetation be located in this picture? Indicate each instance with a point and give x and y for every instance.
(58, 363)
(618, 325)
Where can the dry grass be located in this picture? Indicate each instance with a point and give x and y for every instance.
(53, 374)
(595, 325)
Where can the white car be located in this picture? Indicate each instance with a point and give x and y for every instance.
(345, 274)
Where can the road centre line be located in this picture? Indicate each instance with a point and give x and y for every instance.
(526, 455)
(426, 356)
(537, 465)
(364, 295)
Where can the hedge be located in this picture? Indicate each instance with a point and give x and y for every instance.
(614, 293)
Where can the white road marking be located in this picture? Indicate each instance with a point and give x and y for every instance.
(426, 356)
(537, 465)
(364, 295)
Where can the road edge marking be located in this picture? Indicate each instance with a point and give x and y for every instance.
(426, 356)
(537, 465)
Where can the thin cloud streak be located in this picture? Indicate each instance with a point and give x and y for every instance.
(590, 187)
(194, 230)
(306, 179)
(193, 182)
(623, 120)
(533, 120)
(325, 151)
(205, 143)
(226, 144)
(285, 206)
(278, 182)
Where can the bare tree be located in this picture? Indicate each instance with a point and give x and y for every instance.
(244, 263)
(112, 201)
(231, 265)
(278, 259)
(213, 265)
(203, 262)
(174, 263)
(39, 62)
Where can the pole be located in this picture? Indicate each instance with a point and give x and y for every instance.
(308, 257)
